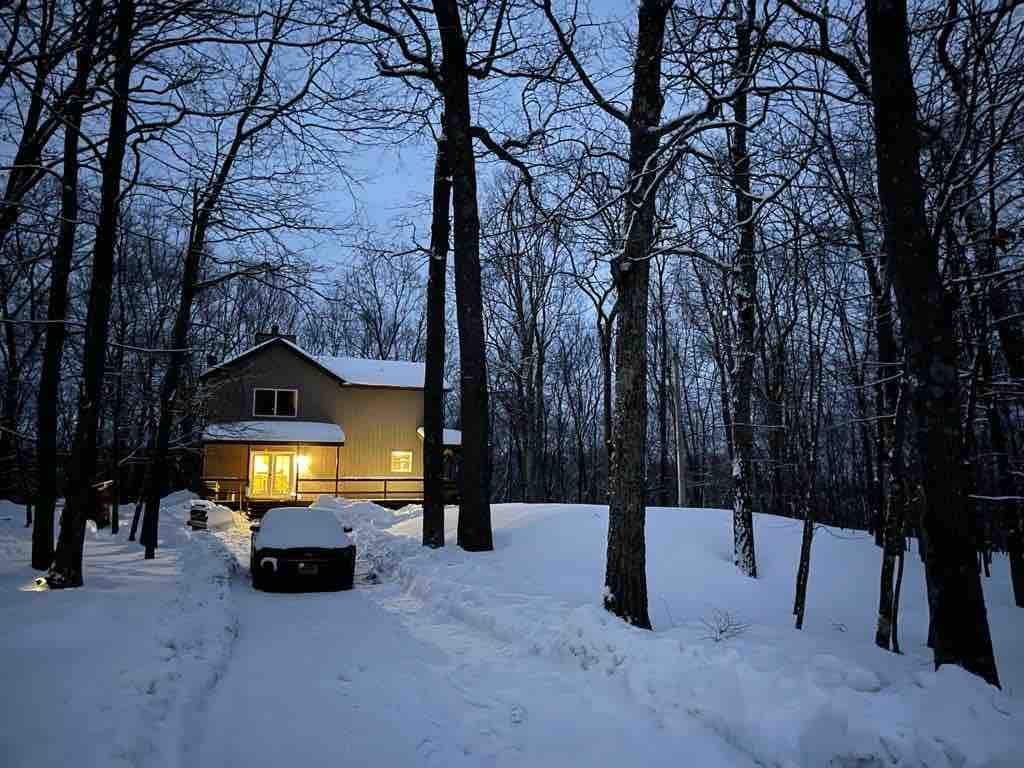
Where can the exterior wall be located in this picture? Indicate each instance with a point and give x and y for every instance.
(377, 421)
(225, 460)
(273, 367)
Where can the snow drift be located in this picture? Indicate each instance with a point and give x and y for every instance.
(724, 652)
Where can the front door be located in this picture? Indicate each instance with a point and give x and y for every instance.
(273, 475)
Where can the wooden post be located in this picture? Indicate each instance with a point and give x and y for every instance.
(243, 500)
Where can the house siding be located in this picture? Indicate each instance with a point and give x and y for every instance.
(377, 421)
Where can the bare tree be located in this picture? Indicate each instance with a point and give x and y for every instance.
(60, 272)
(959, 620)
(67, 566)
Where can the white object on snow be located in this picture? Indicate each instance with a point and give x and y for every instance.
(275, 432)
(288, 527)
(451, 436)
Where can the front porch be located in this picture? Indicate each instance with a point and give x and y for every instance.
(252, 467)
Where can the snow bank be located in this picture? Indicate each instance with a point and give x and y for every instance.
(824, 696)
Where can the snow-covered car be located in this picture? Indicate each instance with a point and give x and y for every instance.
(301, 548)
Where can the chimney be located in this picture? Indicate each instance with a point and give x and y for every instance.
(275, 333)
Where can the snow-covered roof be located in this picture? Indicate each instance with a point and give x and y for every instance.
(350, 370)
(376, 373)
(274, 432)
(286, 527)
(451, 436)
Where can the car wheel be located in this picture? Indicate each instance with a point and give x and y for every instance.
(257, 579)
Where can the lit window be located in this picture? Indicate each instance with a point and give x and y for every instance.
(275, 402)
(401, 461)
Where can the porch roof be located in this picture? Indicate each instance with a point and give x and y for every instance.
(307, 432)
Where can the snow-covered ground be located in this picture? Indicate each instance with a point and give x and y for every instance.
(108, 675)
(492, 659)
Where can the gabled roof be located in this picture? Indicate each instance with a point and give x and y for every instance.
(354, 371)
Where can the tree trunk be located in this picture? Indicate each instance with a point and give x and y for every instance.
(56, 332)
(677, 428)
(775, 415)
(893, 539)
(606, 402)
(887, 398)
(474, 532)
(581, 466)
(664, 495)
(115, 454)
(896, 599)
(625, 592)
(959, 620)
(537, 480)
(803, 571)
(67, 568)
(433, 393)
(169, 386)
(745, 293)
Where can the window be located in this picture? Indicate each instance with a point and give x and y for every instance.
(275, 402)
(401, 461)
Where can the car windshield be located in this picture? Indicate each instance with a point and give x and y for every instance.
(301, 527)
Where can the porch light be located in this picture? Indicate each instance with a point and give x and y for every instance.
(302, 461)
(260, 463)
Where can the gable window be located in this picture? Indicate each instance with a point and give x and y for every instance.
(401, 461)
(275, 402)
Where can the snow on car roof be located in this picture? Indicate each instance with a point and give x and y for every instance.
(275, 432)
(451, 436)
(287, 527)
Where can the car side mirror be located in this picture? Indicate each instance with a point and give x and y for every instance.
(254, 528)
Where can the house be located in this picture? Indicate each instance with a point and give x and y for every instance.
(286, 425)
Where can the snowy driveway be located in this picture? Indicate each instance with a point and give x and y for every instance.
(367, 678)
